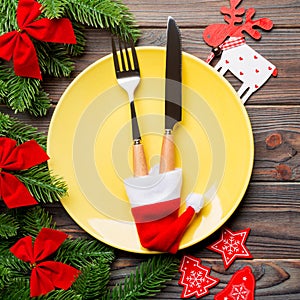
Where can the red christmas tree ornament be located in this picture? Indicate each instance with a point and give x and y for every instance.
(240, 287)
(45, 275)
(17, 44)
(15, 158)
(195, 278)
(232, 245)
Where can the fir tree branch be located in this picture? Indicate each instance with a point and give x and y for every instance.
(40, 104)
(78, 48)
(4, 245)
(34, 220)
(44, 187)
(12, 268)
(13, 128)
(8, 21)
(108, 14)
(53, 8)
(54, 59)
(22, 93)
(79, 253)
(17, 288)
(8, 226)
(42, 184)
(88, 284)
(61, 295)
(149, 279)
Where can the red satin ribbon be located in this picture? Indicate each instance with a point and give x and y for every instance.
(46, 275)
(15, 158)
(18, 46)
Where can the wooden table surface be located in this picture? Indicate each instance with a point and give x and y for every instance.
(271, 205)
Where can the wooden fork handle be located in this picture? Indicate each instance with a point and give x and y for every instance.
(139, 160)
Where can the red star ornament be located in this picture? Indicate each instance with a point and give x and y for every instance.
(195, 278)
(240, 287)
(231, 245)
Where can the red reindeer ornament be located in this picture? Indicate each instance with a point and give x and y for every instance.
(237, 57)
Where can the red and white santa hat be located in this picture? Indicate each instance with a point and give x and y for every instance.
(155, 202)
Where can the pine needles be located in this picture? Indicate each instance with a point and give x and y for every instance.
(8, 226)
(17, 130)
(91, 257)
(148, 280)
(41, 183)
(26, 94)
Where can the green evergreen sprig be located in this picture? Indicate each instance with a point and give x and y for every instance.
(148, 280)
(109, 14)
(15, 129)
(39, 180)
(27, 94)
(8, 226)
(91, 257)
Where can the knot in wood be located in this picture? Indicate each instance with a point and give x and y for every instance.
(284, 172)
(273, 140)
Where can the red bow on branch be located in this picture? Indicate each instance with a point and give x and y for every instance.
(18, 45)
(15, 158)
(46, 275)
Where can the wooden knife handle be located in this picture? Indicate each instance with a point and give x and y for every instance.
(139, 160)
(167, 158)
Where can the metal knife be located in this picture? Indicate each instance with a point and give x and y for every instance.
(173, 95)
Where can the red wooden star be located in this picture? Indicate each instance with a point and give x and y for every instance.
(231, 245)
(195, 278)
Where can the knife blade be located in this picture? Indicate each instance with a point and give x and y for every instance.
(173, 95)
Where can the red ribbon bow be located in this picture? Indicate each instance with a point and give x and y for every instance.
(15, 158)
(46, 275)
(18, 45)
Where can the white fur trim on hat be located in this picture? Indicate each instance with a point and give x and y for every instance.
(195, 200)
(154, 188)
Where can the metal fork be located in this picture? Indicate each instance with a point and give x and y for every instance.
(128, 77)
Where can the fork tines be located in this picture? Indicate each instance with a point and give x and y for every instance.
(127, 67)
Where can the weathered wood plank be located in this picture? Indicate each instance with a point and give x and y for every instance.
(195, 13)
(280, 160)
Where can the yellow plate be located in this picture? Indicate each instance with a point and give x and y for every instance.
(89, 144)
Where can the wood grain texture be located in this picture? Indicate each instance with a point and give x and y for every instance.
(139, 161)
(201, 13)
(167, 156)
(271, 205)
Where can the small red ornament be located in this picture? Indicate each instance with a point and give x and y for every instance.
(45, 275)
(16, 158)
(17, 44)
(240, 287)
(195, 278)
(231, 245)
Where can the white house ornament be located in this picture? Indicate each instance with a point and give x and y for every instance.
(228, 40)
